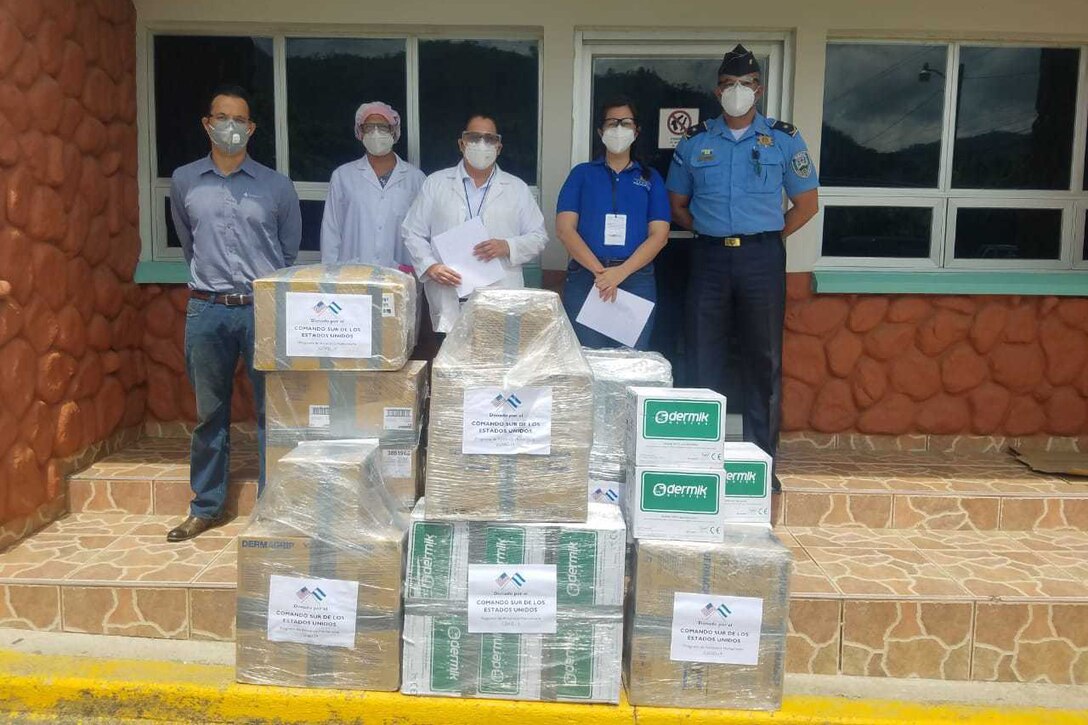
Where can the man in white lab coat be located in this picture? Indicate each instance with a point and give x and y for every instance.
(476, 187)
(368, 198)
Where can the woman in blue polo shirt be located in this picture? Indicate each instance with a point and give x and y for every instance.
(613, 218)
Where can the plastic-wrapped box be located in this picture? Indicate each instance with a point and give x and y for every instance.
(613, 372)
(707, 622)
(448, 652)
(334, 317)
(319, 600)
(319, 404)
(511, 413)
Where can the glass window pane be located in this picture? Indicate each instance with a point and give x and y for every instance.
(877, 231)
(497, 77)
(1014, 126)
(187, 70)
(1084, 238)
(172, 239)
(1008, 233)
(312, 211)
(883, 114)
(327, 80)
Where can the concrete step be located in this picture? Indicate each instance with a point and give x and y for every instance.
(986, 606)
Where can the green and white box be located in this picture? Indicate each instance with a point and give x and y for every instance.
(695, 504)
(576, 659)
(682, 427)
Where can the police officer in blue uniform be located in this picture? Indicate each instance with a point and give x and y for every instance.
(725, 184)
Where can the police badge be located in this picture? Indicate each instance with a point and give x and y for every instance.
(801, 165)
(764, 140)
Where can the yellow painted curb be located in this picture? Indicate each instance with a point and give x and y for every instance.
(117, 689)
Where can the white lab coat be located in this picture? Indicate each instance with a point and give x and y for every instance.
(362, 220)
(509, 212)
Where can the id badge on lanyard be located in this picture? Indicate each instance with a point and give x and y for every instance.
(615, 230)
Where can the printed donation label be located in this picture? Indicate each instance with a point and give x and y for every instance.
(312, 611)
(717, 629)
(507, 422)
(511, 598)
(324, 325)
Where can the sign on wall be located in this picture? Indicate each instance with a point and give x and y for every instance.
(673, 123)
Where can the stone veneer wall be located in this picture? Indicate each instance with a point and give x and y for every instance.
(941, 365)
(170, 396)
(71, 369)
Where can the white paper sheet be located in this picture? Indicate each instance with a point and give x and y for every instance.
(454, 248)
(621, 320)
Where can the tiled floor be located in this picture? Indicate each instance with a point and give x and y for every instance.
(906, 564)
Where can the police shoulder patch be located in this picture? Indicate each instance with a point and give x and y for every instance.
(784, 127)
(696, 130)
(802, 165)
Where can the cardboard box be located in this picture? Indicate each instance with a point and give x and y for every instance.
(580, 662)
(332, 489)
(697, 504)
(283, 610)
(613, 372)
(678, 427)
(728, 652)
(334, 317)
(387, 405)
(519, 451)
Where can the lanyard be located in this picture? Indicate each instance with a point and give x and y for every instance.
(614, 177)
(487, 188)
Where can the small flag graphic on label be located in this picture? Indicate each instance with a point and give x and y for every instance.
(502, 580)
(518, 579)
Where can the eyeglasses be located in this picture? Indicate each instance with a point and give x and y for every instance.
(371, 127)
(491, 139)
(752, 83)
(221, 117)
(618, 123)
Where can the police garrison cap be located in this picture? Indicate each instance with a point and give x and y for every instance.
(738, 62)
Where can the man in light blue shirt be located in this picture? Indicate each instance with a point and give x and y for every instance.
(726, 183)
(237, 220)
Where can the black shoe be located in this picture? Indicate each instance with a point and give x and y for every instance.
(192, 527)
(776, 485)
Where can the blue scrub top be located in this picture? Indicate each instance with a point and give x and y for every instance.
(736, 185)
(593, 190)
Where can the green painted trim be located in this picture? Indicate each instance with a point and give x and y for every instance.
(162, 273)
(879, 281)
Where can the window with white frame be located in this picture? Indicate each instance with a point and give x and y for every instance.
(305, 90)
(953, 155)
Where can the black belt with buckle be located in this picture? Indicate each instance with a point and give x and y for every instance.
(738, 240)
(229, 300)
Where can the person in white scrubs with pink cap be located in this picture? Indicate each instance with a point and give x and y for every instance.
(368, 198)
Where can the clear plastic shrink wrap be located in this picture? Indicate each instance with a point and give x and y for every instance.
(580, 662)
(320, 574)
(389, 406)
(511, 413)
(335, 317)
(613, 371)
(706, 626)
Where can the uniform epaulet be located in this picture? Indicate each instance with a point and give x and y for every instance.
(784, 127)
(696, 130)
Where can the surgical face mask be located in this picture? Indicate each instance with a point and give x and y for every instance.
(619, 139)
(229, 136)
(480, 155)
(378, 143)
(738, 99)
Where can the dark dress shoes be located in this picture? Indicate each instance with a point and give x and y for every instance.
(193, 527)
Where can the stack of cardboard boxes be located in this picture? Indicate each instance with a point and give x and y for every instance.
(515, 582)
(320, 570)
(706, 623)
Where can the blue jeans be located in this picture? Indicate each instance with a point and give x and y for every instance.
(579, 285)
(215, 337)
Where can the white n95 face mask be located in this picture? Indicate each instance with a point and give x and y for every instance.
(480, 155)
(738, 99)
(619, 139)
(378, 143)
